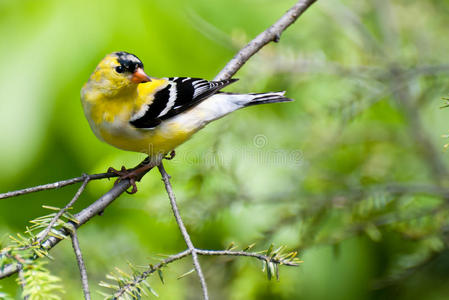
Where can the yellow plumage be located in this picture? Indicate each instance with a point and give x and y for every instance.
(134, 112)
(109, 101)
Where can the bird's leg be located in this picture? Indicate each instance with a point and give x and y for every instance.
(134, 174)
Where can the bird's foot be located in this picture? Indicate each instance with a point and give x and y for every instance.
(171, 155)
(119, 173)
(133, 175)
(123, 174)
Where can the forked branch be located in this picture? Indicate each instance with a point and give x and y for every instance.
(273, 33)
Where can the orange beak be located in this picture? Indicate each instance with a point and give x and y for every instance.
(139, 76)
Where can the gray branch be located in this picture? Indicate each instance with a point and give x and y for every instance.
(182, 228)
(287, 260)
(56, 185)
(80, 261)
(151, 269)
(83, 216)
(272, 34)
(43, 235)
(247, 254)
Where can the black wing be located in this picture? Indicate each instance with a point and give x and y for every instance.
(179, 95)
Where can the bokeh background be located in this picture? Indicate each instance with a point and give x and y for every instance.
(353, 174)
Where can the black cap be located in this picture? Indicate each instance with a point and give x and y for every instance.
(128, 61)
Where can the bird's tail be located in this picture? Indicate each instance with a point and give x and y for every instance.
(264, 98)
(222, 103)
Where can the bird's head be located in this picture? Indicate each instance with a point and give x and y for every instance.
(118, 72)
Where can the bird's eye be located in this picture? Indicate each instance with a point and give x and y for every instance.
(119, 69)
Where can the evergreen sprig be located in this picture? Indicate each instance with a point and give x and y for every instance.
(38, 283)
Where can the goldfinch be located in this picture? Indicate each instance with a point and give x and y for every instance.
(132, 111)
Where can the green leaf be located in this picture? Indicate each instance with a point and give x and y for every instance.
(161, 277)
(249, 247)
(186, 273)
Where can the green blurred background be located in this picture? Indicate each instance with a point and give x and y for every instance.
(353, 174)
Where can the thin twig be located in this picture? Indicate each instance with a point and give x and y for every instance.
(56, 185)
(150, 271)
(247, 254)
(83, 216)
(80, 261)
(44, 233)
(272, 34)
(182, 228)
(22, 281)
(98, 206)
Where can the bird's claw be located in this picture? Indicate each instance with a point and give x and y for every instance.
(122, 171)
(125, 174)
(132, 181)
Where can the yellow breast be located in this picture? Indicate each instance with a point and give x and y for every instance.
(160, 140)
(109, 119)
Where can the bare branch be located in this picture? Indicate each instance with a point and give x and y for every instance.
(85, 215)
(80, 261)
(150, 271)
(182, 228)
(272, 34)
(56, 185)
(259, 256)
(43, 234)
(287, 260)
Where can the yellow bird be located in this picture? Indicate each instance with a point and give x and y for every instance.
(132, 111)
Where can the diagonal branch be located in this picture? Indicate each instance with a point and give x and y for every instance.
(83, 216)
(43, 235)
(138, 279)
(80, 261)
(182, 228)
(273, 33)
